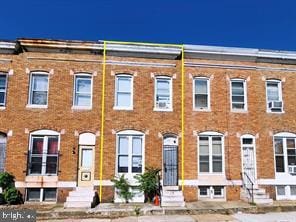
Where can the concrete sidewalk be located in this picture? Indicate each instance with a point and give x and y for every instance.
(113, 211)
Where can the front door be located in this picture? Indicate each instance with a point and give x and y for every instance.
(170, 165)
(86, 166)
(249, 163)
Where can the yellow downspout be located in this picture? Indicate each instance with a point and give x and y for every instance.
(182, 115)
(102, 120)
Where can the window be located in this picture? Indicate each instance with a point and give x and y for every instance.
(285, 153)
(3, 89)
(41, 194)
(83, 91)
(210, 153)
(201, 94)
(238, 95)
(274, 96)
(38, 89)
(211, 192)
(163, 93)
(2, 152)
(130, 152)
(124, 92)
(43, 159)
(286, 192)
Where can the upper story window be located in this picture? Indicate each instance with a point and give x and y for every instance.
(285, 153)
(83, 91)
(123, 92)
(43, 154)
(210, 150)
(274, 96)
(201, 91)
(38, 89)
(3, 89)
(130, 151)
(238, 95)
(163, 94)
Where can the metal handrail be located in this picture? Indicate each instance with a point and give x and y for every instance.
(250, 190)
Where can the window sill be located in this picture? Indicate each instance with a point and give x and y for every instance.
(201, 110)
(123, 108)
(239, 111)
(163, 110)
(32, 106)
(270, 112)
(2, 108)
(81, 108)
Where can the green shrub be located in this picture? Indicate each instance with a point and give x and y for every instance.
(123, 187)
(148, 182)
(6, 180)
(12, 196)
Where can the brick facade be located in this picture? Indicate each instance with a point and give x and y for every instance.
(61, 117)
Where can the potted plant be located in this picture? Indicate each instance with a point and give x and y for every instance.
(122, 186)
(148, 183)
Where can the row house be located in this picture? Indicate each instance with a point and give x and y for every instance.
(217, 121)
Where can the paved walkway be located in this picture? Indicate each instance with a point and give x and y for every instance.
(239, 217)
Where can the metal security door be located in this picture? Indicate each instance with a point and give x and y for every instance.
(170, 161)
(249, 163)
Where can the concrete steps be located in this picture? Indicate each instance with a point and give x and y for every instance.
(81, 197)
(260, 196)
(172, 197)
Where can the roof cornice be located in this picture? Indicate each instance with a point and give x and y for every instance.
(7, 47)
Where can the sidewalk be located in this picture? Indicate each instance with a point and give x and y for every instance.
(113, 211)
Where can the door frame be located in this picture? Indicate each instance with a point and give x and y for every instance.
(79, 181)
(170, 135)
(249, 136)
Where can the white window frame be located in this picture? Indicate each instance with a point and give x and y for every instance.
(210, 193)
(284, 136)
(117, 77)
(3, 105)
(288, 195)
(170, 108)
(211, 134)
(46, 134)
(280, 94)
(130, 134)
(245, 109)
(76, 77)
(30, 104)
(208, 108)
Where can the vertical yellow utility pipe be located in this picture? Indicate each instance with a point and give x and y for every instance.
(182, 114)
(102, 120)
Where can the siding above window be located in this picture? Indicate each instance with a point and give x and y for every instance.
(123, 92)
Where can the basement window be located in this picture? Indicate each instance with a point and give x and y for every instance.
(211, 192)
(41, 194)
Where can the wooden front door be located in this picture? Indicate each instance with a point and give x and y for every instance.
(86, 166)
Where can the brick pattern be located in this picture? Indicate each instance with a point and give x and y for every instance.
(59, 115)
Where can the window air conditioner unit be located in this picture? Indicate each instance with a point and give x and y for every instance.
(292, 169)
(162, 105)
(275, 105)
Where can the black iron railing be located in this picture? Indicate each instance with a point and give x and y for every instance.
(248, 184)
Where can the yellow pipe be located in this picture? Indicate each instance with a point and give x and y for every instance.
(182, 115)
(102, 120)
